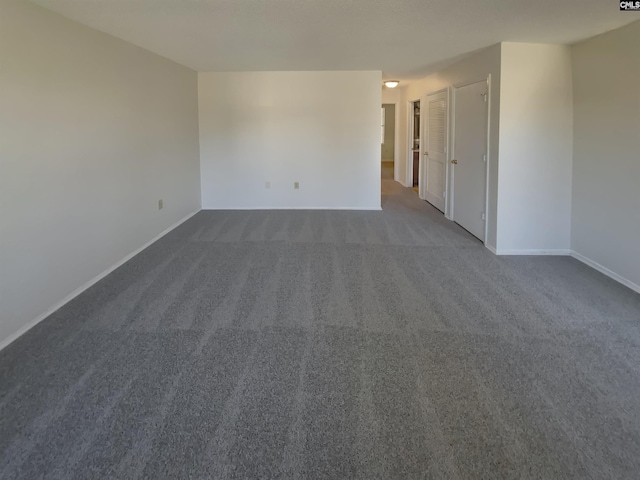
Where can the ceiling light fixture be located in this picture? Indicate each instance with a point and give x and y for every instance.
(391, 83)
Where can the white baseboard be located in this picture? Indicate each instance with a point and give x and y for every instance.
(491, 248)
(11, 338)
(567, 252)
(291, 208)
(560, 251)
(609, 273)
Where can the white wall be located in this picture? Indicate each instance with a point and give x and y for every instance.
(94, 132)
(389, 145)
(474, 68)
(321, 129)
(394, 96)
(606, 164)
(391, 95)
(536, 130)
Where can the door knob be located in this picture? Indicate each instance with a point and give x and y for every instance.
(426, 153)
(455, 162)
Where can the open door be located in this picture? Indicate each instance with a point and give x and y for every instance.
(414, 162)
(435, 153)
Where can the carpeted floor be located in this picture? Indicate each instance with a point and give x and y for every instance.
(329, 344)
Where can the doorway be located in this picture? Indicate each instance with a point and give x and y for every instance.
(414, 145)
(469, 157)
(388, 140)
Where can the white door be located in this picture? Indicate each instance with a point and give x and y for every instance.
(435, 153)
(469, 157)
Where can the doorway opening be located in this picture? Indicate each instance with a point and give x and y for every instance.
(388, 140)
(414, 146)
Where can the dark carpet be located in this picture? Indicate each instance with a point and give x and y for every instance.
(329, 344)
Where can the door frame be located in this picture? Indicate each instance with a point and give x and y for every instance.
(409, 139)
(450, 190)
(446, 90)
(396, 146)
(396, 143)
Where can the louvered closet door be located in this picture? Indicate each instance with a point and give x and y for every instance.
(435, 154)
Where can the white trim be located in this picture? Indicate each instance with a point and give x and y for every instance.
(396, 143)
(14, 336)
(260, 207)
(609, 273)
(410, 128)
(487, 162)
(571, 253)
(422, 172)
(491, 248)
(409, 144)
(532, 251)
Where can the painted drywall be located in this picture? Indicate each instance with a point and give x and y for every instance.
(94, 132)
(605, 218)
(321, 129)
(391, 95)
(474, 68)
(536, 130)
(394, 96)
(389, 145)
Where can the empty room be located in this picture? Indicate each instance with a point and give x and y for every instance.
(319, 239)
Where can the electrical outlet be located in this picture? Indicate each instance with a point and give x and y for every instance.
(296, 185)
(267, 185)
(160, 204)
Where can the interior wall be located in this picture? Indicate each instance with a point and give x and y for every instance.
(536, 143)
(605, 217)
(388, 147)
(94, 132)
(394, 95)
(471, 69)
(391, 95)
(321, 129)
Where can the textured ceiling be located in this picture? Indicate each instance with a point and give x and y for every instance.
(404, 38)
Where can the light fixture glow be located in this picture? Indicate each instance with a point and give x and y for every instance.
(391, 83)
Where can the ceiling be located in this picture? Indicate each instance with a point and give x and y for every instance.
(406, 39)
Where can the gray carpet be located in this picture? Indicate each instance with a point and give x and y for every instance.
(329, 344)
